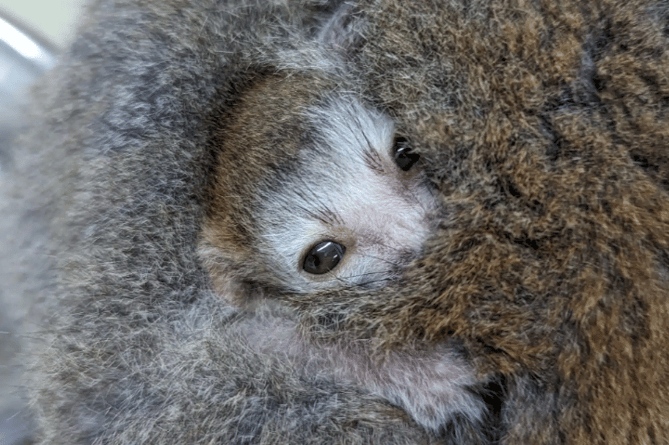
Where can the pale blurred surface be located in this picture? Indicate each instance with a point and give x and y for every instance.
(54, 19)
(24, 56)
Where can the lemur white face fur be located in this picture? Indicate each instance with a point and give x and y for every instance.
(354, 210)
(315, 192)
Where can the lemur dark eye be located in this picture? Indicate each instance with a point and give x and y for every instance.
(323, 257)
(404, 157)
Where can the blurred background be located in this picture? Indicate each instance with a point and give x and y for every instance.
(32, 33)
(54, 19)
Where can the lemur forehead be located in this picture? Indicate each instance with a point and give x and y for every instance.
(345, 124)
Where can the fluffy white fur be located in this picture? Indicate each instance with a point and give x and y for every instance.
(429, 384)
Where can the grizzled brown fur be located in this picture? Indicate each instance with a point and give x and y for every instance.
(545, 128)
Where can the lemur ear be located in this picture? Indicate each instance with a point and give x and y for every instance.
(342, 32)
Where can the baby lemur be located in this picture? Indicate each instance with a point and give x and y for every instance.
(326, 195)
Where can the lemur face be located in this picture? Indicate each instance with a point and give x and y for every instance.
(312, 191)
(357, 206)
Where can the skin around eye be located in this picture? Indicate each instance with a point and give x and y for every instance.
(323, 257)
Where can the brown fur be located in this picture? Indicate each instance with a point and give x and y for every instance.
(546, 124)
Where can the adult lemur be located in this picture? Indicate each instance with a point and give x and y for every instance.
(544, 276)
(300, 187)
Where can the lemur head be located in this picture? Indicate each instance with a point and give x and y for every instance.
(310, 190)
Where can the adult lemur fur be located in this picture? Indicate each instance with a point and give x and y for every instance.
(543, 125)
(278, 102)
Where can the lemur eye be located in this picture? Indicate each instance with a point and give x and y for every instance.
(323, 257)
(404, 157)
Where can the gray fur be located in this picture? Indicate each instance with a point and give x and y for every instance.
(132, 346)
